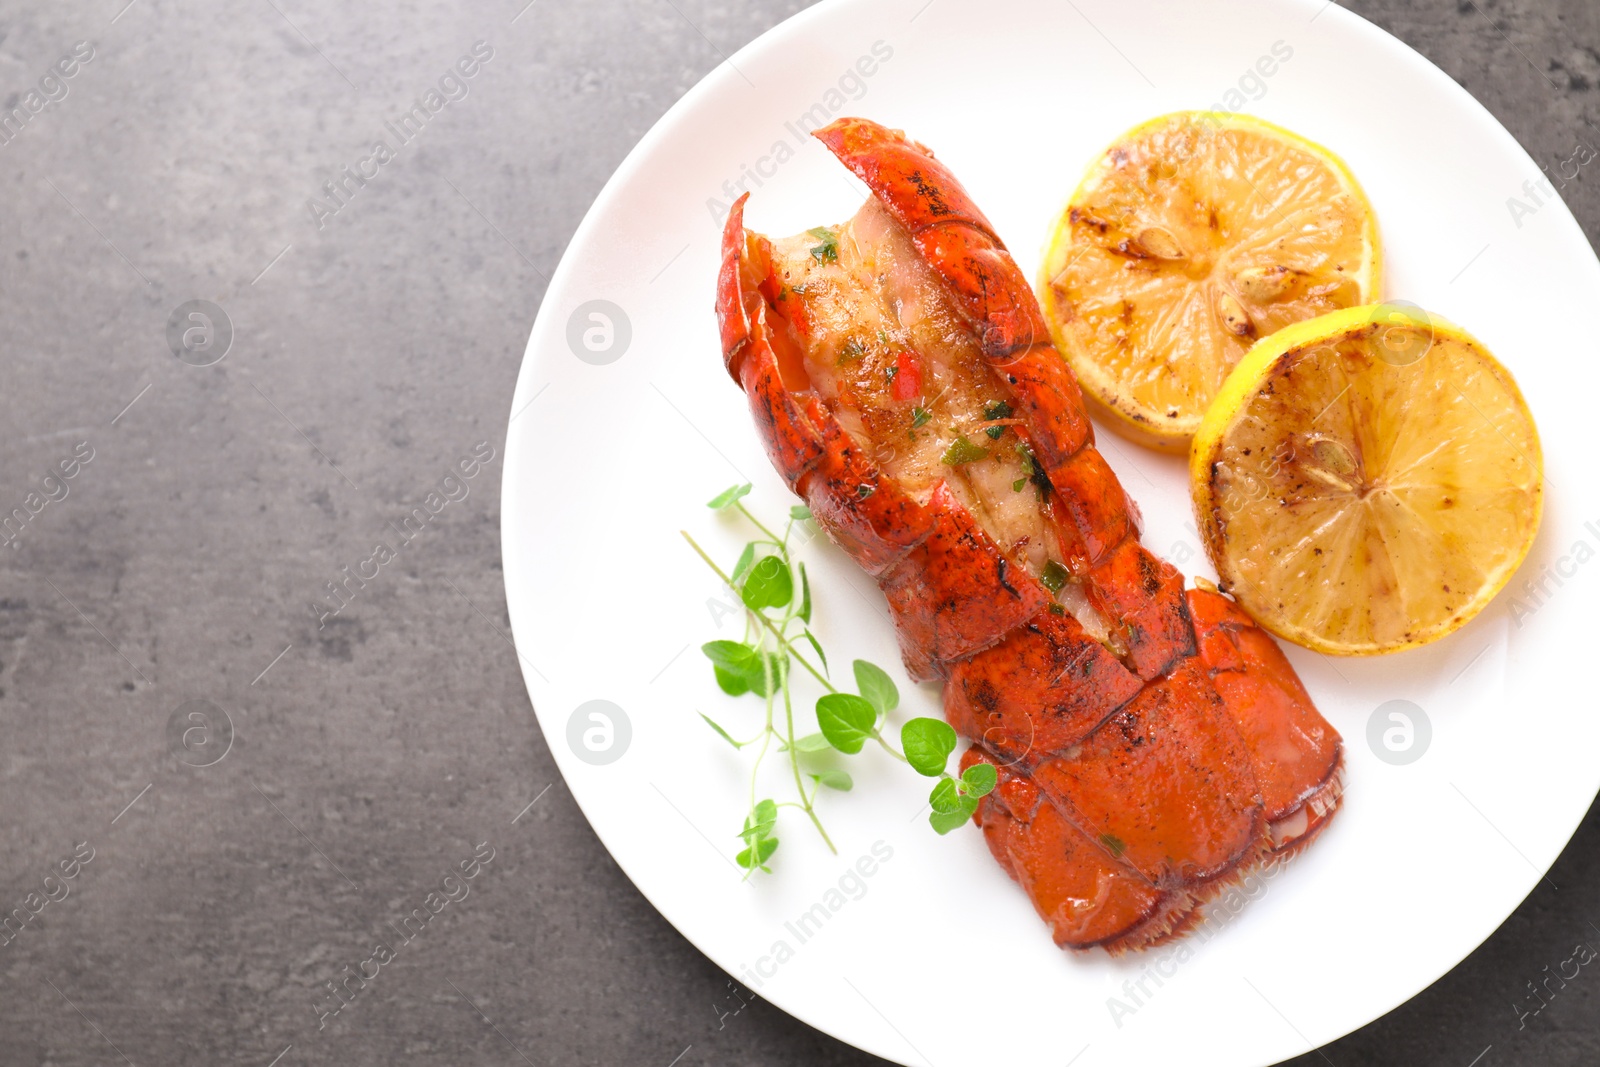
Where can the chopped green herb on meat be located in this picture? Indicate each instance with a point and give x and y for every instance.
(1054, 576)
(962, 451)
(996, 409)
(828, 250)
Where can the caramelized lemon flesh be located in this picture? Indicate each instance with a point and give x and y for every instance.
(1367, 481)
(1194, 235)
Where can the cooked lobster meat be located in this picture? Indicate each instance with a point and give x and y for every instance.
(1151, 742)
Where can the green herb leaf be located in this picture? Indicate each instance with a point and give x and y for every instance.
(876, 686)
(927, 744)
(945, 821)
(747, 557)
(720, 731)
(894, 368)
(740, 669)
(730, 682)
(1016, 486)
(978, 780)
(962, 451)
(828, 250)
(945, 797)
(816, 647)
(920, 416)
(864, 490)
(1054, 576)
(767, 813)
(756, 856)
(759, 822)
(835, 780)
(996, 409)
(1113, 844)
(1026, 455)
(728, 654)
(812, 743)
(1057, 609)
(1034, 472)
(805, 606)
(728, 496)
(851, 351)
(799, 513)
(846, 720)
(768, 585)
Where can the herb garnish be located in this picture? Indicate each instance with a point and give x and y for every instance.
(1054, 576)
(828, 250)
(996, 409)
(1031, 472)
(766, 578)
(962, 451)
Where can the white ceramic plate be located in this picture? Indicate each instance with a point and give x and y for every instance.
(611, 454)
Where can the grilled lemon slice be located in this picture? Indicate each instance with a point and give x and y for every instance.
(1367, 481)
(1194, 235)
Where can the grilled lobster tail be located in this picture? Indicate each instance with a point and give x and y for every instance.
(1150, 742)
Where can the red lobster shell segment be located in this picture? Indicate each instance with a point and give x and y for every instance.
(1039, 693)
(1165, 783)
(1150, 743)
(1085, 895)
(956, 593)
(1297, 755)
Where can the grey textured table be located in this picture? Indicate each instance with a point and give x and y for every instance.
(158, 611)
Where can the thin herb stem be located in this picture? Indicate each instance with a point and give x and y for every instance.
(766, 670)
(788, 646)
(888, 747)
(783, 548)
(794, 762)
(766, 741)
(788, 703)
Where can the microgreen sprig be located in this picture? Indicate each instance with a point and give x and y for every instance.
(775, 593)
(928, 744)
